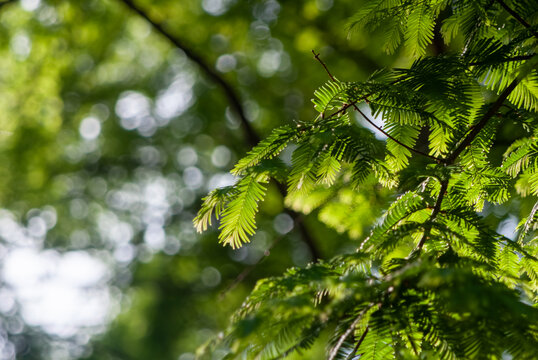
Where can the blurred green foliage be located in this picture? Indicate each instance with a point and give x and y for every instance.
(110, 125)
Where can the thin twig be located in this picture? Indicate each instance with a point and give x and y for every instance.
(343, 338)
(252, 138)
(316, 56)
(358, 345)
(362, 98)
(354, 104)
(433, 216)
(345, 335)
(393, 139)
(516, 16)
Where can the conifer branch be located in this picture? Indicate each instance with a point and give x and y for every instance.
(462, 146)
(459, 149)
(354, 104)
(516, 16)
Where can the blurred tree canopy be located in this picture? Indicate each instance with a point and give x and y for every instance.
(118, 116)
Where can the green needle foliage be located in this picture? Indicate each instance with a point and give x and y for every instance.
(433, 279)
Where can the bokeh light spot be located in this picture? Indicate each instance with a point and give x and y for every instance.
(90, 128)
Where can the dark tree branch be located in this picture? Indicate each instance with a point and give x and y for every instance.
(233, 98)
(252, 138)
(354, 104)
(7, 2)
(516, 16)
(478, 127)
